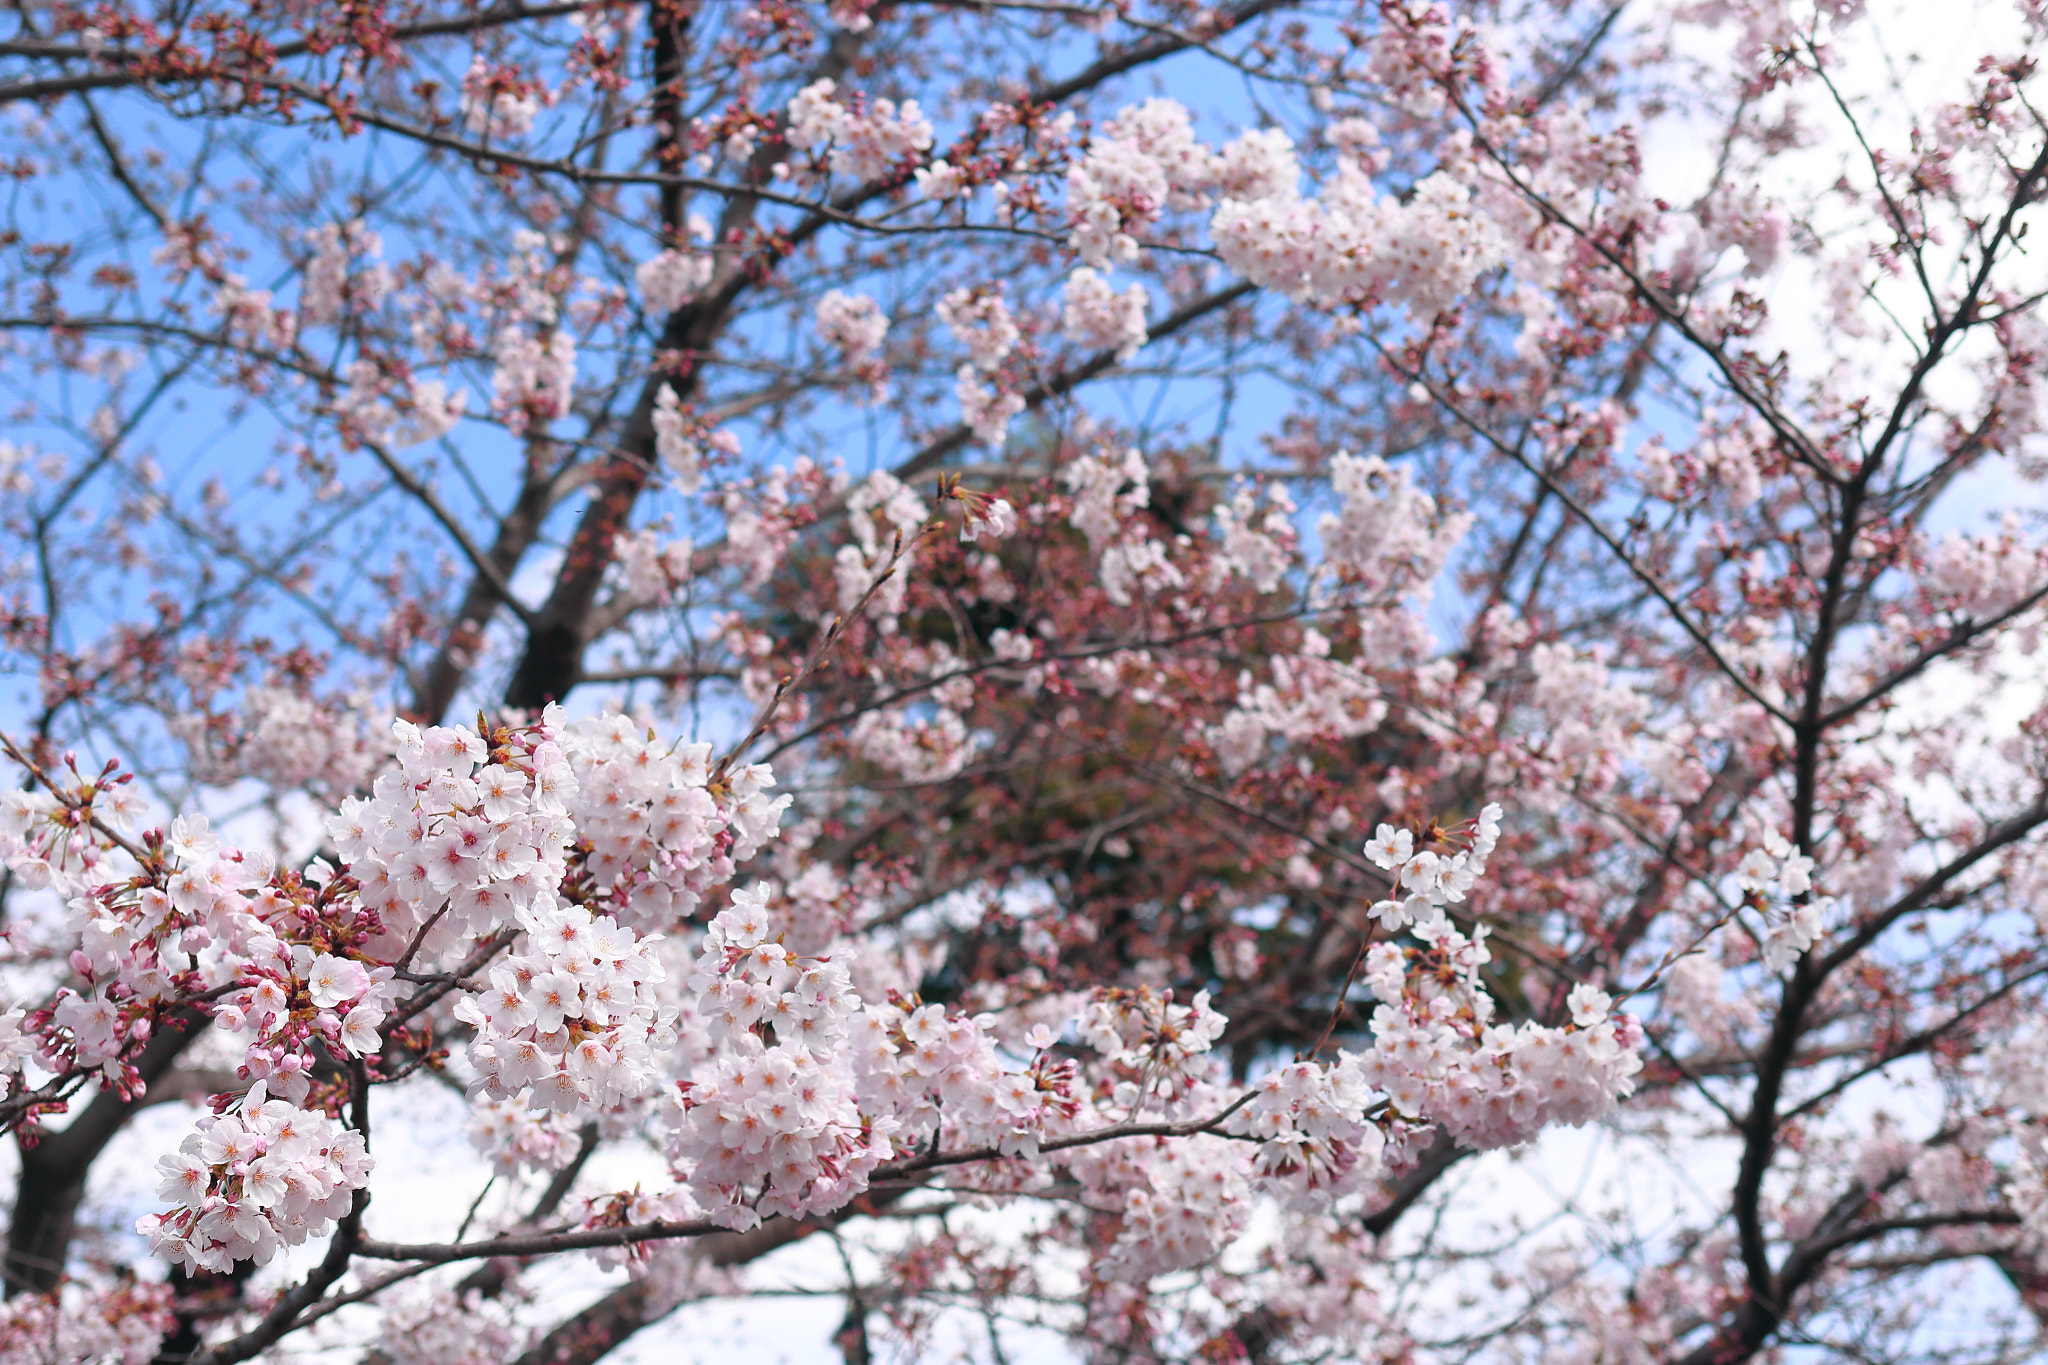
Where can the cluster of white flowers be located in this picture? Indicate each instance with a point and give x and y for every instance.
(656, 567)
(573, 1020)
(248, 1183)
(1093, 314)
(1309, 697)
(422, 411)
(1980, 576)
(658, 836)
(927, 747)
(1590, 718)
(1438, 1057)
(675, 443)
(1388, 537)
(251, 317)
(1743, 216)
(1350, 247)
(39, 834)
(867, 138)
(761, 518)
(1143, 162)
(1425, 882)
(438, 1326)
(672, 277)
(534, 377)
(1256, 544)
(140, 945)
(980, 320)
(1145, 1031)
(326, 288)
(1106, 496)
(792, 1089)
(1781, 875)
(462, 835)
(1315, 1141)
(294, 995)
(882, 508)
(495, 106)
(926, 1069)
(118, 1324)
(773, 1127)
(986, 410)
(854, 323)
(517, 1137)
(1106, 493)
(1344, 246)
(1178, 1204)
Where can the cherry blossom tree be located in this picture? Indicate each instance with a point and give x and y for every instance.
(1129, 676)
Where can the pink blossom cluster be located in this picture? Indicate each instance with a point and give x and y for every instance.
(292, 996)
(865, 137)
(659, 837)
(1309, 697)
(382, 408)
(680, 441)
(855, 325)
(980, 320)
(1144, 161)
(1177, 1202)
(932, 1072)
(656, 568)
(535, 374)
(1093, 314)
(762, 516)
(1350, 246)
(282, 736)
(249, 1183)
(986, 409)
(1979, 576)
(1146, 1033)
(1257, 542)
(461, 835)
(186, 924)
(1591, 717)
(114, 1324)
(518, 1137)
(251, 316)
(1345, 245)
(1106, 494)
(330, 284)
(1784, 879)
(881, 512)
(672, 277)
(925, 744)
(1439, 1059)
(573, 1021)
(1388, 537)
(48, 842)
(497, 104)
(440, 1325)
(1315, 1138)
(772, 1127)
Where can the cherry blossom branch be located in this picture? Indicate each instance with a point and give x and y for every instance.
(547, 1243)
(1593, 524)
(68, 798)
(790, 682)
(284, 1313)
(494, 17)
